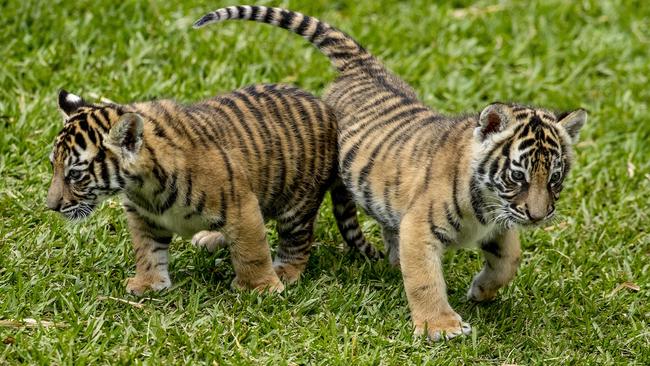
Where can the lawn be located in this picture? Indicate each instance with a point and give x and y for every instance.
(582, 295)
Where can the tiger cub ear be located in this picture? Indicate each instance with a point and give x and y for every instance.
(493, 119)
(126, 135)
(572, 122)
(69, 103)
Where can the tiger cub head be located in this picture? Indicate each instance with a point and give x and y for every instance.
(523, 157)
(90, 154)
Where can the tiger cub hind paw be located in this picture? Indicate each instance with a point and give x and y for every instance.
(139, 285)
(209, 240)
(479, 293)
(270, 285)
(444, 328)
(289, 273)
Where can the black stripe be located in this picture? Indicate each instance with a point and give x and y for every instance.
(255, 10)
(437, 231)
(92, 136)
(229, 171)
(329, 41)
(105, 121)
(103, 170)
(83, 124)
(268, 17)
(341, 55)
(286, 18)
(201, 203)
(521, 117)
(317, 32)
(171, 198)
(304, 24)
(240, 11)
(459, 214)
(158, 248)
(477, 200)
(157, 170)
(116, 172)
(77, 119)
(222, 205)
(453, 221)
(552, 142)
(188, 194)
(80, 141)
(523, 145)
(441, 236)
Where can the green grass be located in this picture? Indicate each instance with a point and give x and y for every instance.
(561, 309)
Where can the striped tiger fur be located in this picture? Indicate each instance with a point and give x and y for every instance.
(434, 181)
(217, 168)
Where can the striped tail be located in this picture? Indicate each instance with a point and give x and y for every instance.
(343, 51)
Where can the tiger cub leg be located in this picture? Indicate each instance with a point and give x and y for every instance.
(209, 240)
(391, 242)
(249, 250)
(296, 234)
(345, 213)
(151, 257)
(502, 257)
(421, 263)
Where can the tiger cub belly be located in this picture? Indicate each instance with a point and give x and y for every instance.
(179, 219)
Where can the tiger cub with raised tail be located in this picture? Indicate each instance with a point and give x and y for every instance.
(434, 181)
(217, 168)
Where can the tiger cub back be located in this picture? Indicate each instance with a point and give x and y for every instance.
(218, 168)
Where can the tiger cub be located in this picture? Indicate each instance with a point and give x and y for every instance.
(433, 181)
(218, 168)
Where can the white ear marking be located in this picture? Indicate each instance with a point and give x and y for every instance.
(73, 99)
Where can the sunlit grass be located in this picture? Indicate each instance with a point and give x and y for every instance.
(565, 306)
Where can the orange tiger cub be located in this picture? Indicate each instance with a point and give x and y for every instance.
(218, 168)
(433, 181)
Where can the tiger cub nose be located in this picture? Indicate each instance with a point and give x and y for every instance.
(54, 205)
(539, 214)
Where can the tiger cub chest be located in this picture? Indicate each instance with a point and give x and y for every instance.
(472, 233)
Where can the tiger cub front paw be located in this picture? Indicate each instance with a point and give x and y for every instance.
(272, 284)
(446, 326)
(138, 285)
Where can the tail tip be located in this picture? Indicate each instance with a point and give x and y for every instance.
(207, 18)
